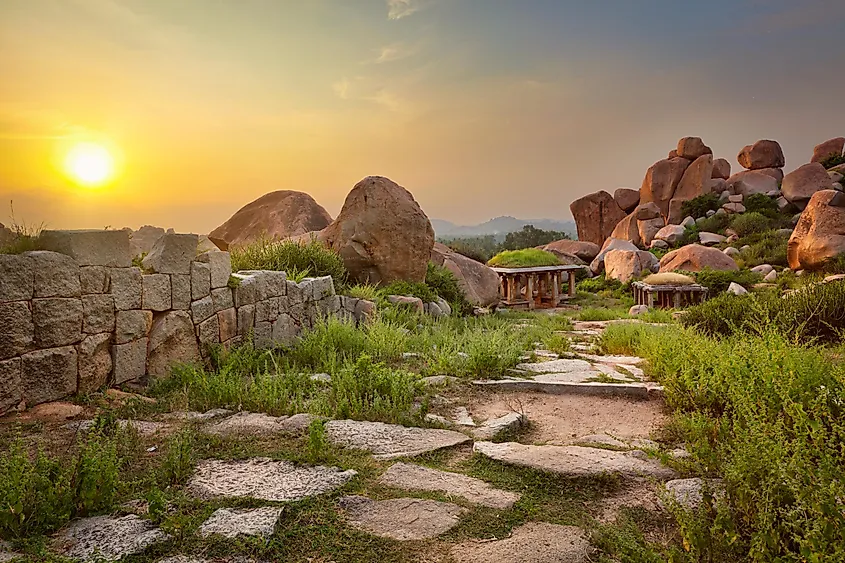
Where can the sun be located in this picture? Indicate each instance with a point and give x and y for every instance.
(89, 164)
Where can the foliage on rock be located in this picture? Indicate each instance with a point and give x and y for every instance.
(526, 258)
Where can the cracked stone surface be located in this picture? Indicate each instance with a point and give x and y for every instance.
(557, 366)
(401, 519)
(265, 479)
(231, 523)
(534, 542)
(389, 441)
(574, 461)
(495, 426)
(260, 423)
(107, 538)
(412, 477)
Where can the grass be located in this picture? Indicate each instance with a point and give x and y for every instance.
(766, 415)
(24, 237)
(527, 258)
(298, 259)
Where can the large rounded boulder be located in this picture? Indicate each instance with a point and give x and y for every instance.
(819, 235)
(596, 215)
(828, 149)
(280, 214)
(800, 184)
(584, 250)
(479, 282)
(381, 234)
(762, 154)
(694, 258)
(661, 181)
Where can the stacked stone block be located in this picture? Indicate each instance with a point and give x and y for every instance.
(79, 315)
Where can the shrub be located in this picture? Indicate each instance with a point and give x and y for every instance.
(526, 258)
(446, 285)
(748, 223)
(723, 315)
(530, 237)
(699, 206)
(768, 247)
(718, 281)
(410, 289)
(363, 291)
(762, 204)
(598, 283)
(715, 224)
(304, 259)
(833, 160)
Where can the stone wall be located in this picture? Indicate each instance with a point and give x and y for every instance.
(79, 315)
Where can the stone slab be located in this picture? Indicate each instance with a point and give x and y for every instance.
(200, 280)
(130, 361)
(557, 366)
(156, 294)
(54, 274)
(220, 266)
(126, 285)
(413, 477)
(574, 461)
(17, 282)
(90, 247)
(613, 360)
(202, 309)
(534, 542)
(180, 292)
(93, 279)
(132, 325)
(633, 390)
(260, 423)
(17, 331)
(390, 441)
(49, 375)
(95, 362)
(222, 299)
(231, 523)
(172, 254)
(489, 429)
(107, 538)
(58, 321)
(97, 313)
(10, 384)
(265, 479)
(402, 519)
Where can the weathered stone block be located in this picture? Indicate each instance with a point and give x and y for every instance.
(126, 285)
(10, 384)
(364, 310)
(54, 274)
(228, 321)
(200, 280)
(97, 313)
(130, 361)
(263, 335)
(247, 291)
(297, 292)
(58, 321)
(172, 254)
(90, 247)
(348, 303)
(328, 306)
(246, 319)
(275, 284)
(156, 292)
(16, 329)
(48, 375)
(180, 287)
(220, 264)
(95, 362)
(202, 309)
(285, 331)
(322, 287)
(172, 340)
(93, 279)
(267, 310)
(132, 325)
(16, 278)
(222, 298)
(208, 333)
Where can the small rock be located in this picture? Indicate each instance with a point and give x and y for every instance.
(688, 222)
(462, 417)
(321, 377)
(659, 244)
(534, 542)
(710, 238)
(123, 397)
(710, 213)
(492, 428)
(50, 412)
(438, 380)
(733, 208)
(637, 310)
(736, 289)
(731, 251)
(402, 519)
(260, 423)
(771, 277)
(231, 523)
(762, 269)
(690, 492)
(106, 538)
(745, 248)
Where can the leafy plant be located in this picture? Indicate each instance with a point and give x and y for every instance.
(410, 289)
(444, 283)
(749, 223)
(718, 281)
(296, 258)
(527, 258)
(833, 160)
(762, 204)
(699, 206)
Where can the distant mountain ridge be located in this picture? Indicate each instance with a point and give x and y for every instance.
(499, 226)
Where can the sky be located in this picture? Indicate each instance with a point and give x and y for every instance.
(480, 108)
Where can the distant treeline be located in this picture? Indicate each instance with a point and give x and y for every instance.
(483, 248)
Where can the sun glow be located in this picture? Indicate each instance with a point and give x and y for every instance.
(89, 164)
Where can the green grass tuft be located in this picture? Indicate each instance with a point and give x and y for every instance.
(527, 258)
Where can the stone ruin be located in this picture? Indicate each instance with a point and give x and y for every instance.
(78, 315)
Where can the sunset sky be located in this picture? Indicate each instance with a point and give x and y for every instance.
(479, 107)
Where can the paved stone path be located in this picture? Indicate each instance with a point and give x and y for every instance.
(107, 538)
(391, 441)
(265, 479)
(411, 477)
(260, 423)
(401, 519)
(231, 523)
(535, 542)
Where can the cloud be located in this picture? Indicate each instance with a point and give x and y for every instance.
(341, 88)
(395, 52)
(398, 9)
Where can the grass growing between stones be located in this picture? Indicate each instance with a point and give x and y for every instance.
(768, 416)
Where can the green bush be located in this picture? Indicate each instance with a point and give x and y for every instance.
(530, 237)
(768, 417)
(768, 247)
(298, 259)
(715, 224)
(526, 258)
(762, 204)
(833, 160)
(749, 223)
(446, 285)
(410, 289)
(718, 281)
(699, 206)
(597, 284)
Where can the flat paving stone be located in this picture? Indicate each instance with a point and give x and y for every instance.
(231, 522)
(265, 479)
(489, 429)
(565, 365)
(107, 538)
(574, 384)
(574, 461)
(402, 519)
(413, 477)
(260, 423)
(623, 360)
(462, 417)
(534, 542)
(193, 416)
(602, 440)
(390, 441)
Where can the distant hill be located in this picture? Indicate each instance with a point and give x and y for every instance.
(499, 226)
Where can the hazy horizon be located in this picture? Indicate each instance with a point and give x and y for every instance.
(481, 108)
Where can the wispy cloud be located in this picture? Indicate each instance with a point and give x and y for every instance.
(341, 88)
(395, 52)
(398, 9)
